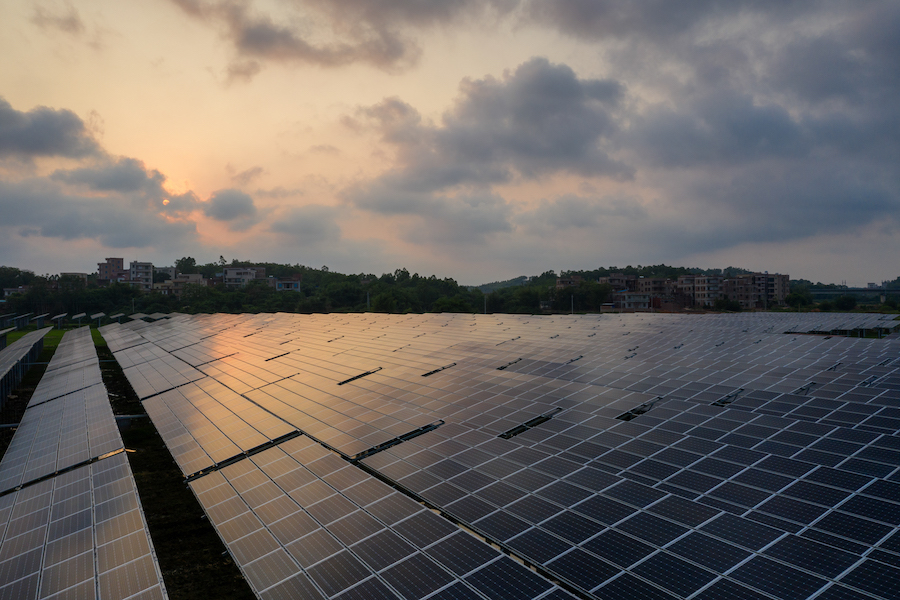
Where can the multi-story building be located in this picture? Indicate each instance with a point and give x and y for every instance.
(236, 277)
(112, 270)
(758, 290)
(707, 289)
(620, 281)
(170, 271)
(291, 284)
(570, 281)
(175, 287)
(654, 286)
(140, 275)
(631, 301)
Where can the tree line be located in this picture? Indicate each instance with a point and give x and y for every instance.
(324, 290)
(321, 290)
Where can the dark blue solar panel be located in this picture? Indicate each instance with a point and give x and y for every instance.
(872, 508)
(674, 574)
(573, 527)
(775, 578)
(416, 577)
(629, 587)
(494, 581)
(741, 531)
(875, 578)
(605, 510)
(709, 552)
(534, 509)
(652, 528)
(725, 589)
(582, 569)
(852, 527)
(538, 545)
(811, 556)
(461, 553)
(683, 511)
(619, 548)
(794, 510)
(502, 525)
(634, 493)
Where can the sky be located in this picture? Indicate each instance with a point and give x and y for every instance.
(473, 139)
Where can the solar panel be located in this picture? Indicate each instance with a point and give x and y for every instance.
(16, 359)
(76, 532)
(70, 518)
(658, 456)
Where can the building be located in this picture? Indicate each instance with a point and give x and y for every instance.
(170, 271)
(654, 286)
(175, 287)
(22, 289)
(631, 301)
(758, 290)
(571, 281)
(707, 289)
(620, 281)
(140, 275)
(112, 270)
(291, 284)
(235, 277)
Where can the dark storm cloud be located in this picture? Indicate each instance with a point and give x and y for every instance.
(538, 120)
(231, 206)
(857, 63)
(721, 127)
(43, 131)
(42, 207)
(308, 225)
(768, 121)
(258, 36)
(659, 19)
(553, 216)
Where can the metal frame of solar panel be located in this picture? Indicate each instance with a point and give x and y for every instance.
(71, 523)
(619, 456)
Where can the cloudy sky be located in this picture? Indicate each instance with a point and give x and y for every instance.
(474, 139)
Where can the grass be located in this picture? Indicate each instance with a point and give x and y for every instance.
(192, 557)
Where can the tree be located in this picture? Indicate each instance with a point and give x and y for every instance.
(725, 304)
(160, 276)
(186, 264)
(384, 303)
(452, 305)
(845, 303)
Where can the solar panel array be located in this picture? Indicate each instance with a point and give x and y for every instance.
(71, 523)
(16, 359)
(615, 456)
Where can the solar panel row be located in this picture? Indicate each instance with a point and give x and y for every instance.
(16, 359)
(638, 456)
(71, 524)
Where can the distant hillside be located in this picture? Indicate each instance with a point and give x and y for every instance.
(664, 271)
(487, 288)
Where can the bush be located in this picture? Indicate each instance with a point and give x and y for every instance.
(845, 303)
(724, 304)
